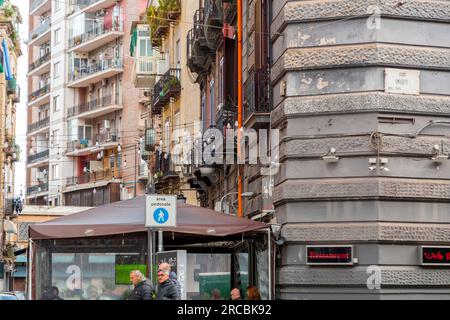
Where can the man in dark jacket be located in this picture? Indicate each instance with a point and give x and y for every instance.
(166, 288)
(143, 289)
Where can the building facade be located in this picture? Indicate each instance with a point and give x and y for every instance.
(10, 19)
(362, 106)
(84, 113)
(175, 97)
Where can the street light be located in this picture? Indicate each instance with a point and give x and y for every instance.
(243, 195)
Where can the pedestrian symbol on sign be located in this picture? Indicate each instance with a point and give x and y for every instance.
(161, 215)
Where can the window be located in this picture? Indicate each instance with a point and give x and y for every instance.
(57, 5)
(55, 137)
(145, 47)
(167, 136)
(211, 101)
(178, 53)
(55, 172)
(57, 36)
(56, 106)
(56, 70)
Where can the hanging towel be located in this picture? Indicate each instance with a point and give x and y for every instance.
(6, 62)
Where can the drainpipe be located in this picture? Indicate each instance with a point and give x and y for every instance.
(240, 108)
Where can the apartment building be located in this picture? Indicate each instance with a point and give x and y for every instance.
(10, 20)
(85, 128)
(175, 96)
(212, 57)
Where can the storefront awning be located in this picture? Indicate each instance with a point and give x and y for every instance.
(129, 217)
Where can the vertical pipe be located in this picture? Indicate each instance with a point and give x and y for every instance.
(150, 253)
(135, 173)
(240, 107)
(269, 245)
(30, 268)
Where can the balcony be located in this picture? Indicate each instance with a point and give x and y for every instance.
(84, 147)
(41, 34)
(167, 87)
(40, 66)
(38, 158)
(95, 108)
(12, 151)
(96, 38)
(94, 177)
(164, 173)
(39, 97)
(13, 89)
(144, 73)
(39, 7)
(257, 106)
(37, 190)
(38, 127)
(159, 17)
(94, 73)
(92, 6)
(143, 172)
(229, 11)
(226, 114)
(213, 22)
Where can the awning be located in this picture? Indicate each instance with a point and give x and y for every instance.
(129, 217)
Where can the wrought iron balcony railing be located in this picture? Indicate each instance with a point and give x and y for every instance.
(167, 87)
(257, 98)
(39, 62)
(38, 157)
(42, 187)
(39, 125)
(39, 93)
(91, 177)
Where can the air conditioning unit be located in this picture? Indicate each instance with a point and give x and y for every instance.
(101, 13)
(106, 125)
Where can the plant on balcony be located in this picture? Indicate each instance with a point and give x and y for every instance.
(158, 18)
(9, 11)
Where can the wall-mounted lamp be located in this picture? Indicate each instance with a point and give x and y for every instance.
(374, 163)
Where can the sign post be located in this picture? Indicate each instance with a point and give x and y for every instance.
(160, 213)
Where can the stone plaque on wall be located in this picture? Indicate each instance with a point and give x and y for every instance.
(402, 81)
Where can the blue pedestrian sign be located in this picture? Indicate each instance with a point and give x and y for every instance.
(161, 211)
(161, 215)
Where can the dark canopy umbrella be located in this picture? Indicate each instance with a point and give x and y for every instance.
(129, 217)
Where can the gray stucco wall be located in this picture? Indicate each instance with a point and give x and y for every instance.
(334, 71)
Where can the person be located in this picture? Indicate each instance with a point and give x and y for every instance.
(253, 293)
(51, 294)
(166, 287)
(174, 278)
(236, 294)
(143, 289)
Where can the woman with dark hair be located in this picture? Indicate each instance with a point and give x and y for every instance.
(253, 293)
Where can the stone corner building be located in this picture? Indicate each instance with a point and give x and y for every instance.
(370, 79)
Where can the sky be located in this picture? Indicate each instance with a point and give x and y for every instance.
(21, 115)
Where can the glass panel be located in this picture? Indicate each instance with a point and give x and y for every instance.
(142, 47)
(262, 267)
(208, 276)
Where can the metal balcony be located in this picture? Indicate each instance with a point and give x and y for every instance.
(38, 126)
(213, 22)
(167, 87)
(38, 157)
(94, 73)
(40, 66)
(40, 96)
(91, 177)
(41, 34)
(40, 188)
(95, 108)
(96, 37)
(257, 105)
(83, 147)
